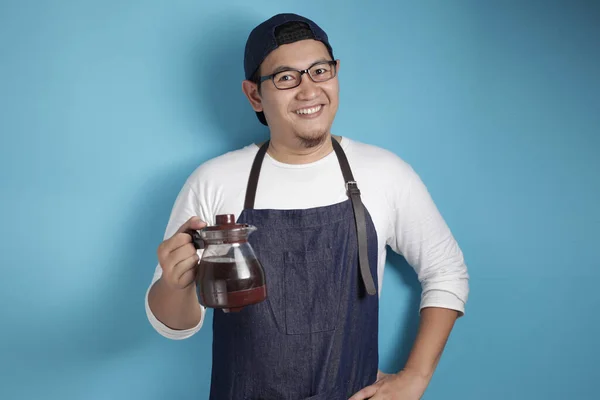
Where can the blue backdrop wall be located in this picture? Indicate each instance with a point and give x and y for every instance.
(107, 106)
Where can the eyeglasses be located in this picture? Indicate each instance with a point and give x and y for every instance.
(290, 78)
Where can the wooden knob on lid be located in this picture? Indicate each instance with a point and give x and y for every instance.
(225, 219)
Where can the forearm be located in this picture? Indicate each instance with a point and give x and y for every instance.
(434, 329)
(176, 308)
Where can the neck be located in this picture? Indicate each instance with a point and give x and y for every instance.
(295, 153)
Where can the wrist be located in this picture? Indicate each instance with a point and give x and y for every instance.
(174, 289)
(423, 374)
(176, 308)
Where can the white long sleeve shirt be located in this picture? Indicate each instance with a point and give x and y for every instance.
(404, 214)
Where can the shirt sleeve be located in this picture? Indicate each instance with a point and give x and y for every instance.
(186, 206)
(421, 235)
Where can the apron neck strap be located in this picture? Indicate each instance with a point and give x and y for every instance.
(343, 161)
(260, 156)
(359, 217)
(254, 174)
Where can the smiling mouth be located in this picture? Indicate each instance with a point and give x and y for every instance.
(309, 110)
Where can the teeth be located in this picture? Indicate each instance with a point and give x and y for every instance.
(306, 111)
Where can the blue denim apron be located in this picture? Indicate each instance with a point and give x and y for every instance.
(316, 335)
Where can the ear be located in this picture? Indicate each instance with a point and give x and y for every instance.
(250, 89)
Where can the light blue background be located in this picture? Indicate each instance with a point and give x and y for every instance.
(107, 106)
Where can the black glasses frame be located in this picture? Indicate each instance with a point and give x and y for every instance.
(331, 63)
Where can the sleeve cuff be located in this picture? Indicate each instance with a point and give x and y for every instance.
(442, 299)
(170, 333)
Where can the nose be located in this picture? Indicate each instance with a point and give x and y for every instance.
(308, 89)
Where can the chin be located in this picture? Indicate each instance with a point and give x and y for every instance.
(312, 138)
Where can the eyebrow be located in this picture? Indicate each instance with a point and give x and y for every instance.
(283, 68)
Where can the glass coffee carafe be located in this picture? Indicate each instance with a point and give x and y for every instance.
(229, 275)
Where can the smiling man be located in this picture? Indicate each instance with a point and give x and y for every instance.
(325, 207)
(298, 117)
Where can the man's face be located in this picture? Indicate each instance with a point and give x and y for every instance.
(305, 112)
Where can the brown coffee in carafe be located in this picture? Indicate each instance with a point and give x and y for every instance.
(223, 284)
(229, 275)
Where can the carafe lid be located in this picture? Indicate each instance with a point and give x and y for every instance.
(226, 230)
(225, 221)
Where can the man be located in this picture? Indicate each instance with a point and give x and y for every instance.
(330, 205)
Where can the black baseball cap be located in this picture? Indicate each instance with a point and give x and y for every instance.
(262, 40)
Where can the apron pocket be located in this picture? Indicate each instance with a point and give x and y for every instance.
(311, 284)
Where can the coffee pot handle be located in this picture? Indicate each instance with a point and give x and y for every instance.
(197, 240)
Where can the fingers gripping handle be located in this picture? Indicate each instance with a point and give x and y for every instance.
(197, 240)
